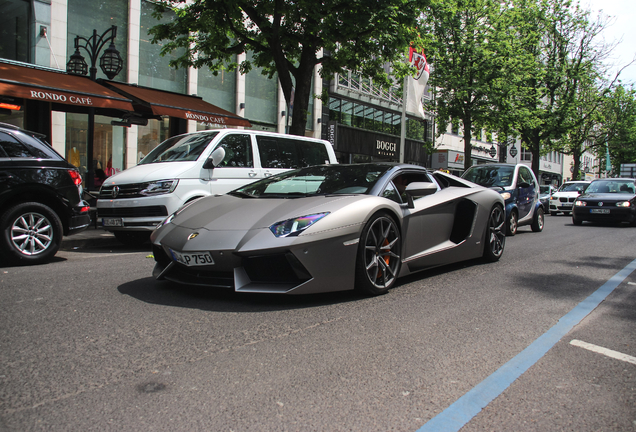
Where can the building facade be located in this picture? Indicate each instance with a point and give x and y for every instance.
(39, 38)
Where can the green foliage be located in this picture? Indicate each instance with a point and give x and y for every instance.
(289, 38)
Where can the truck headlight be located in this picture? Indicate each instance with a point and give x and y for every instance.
(159, 187)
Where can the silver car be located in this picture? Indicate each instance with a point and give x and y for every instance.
(329, 228)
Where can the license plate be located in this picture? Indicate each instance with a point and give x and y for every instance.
(567, 204)
(600, 211)
(112, 222)
(192, 259)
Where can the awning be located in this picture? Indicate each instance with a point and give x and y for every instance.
(58, 87)
(160, 103)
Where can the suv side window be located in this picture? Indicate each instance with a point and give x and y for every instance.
(312, 153)
(238, 151)
(12, 147)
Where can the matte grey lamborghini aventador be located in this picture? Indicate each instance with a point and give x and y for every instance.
(330, 228)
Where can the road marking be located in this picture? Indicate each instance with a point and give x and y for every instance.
(605, 351)
(453, 418)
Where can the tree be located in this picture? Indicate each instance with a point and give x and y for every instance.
(465, 54)
(559, 49)
(619, 126)
(290, 38)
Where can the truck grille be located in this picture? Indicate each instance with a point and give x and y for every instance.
(124, 191)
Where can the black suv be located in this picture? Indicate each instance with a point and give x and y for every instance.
(40, 197)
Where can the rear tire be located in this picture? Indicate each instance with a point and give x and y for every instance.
(495, 235)
(31, 233)
(378, 262)
(512, 225)
(538, 220)
(132, 238)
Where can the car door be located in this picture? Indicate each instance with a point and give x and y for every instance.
(238, 167)
(427, 227)
(526, 195)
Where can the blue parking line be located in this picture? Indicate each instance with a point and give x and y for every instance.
(470, 404)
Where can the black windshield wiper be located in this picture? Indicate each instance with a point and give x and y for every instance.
(241, 194)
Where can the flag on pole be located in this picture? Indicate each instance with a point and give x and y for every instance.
(417, 84)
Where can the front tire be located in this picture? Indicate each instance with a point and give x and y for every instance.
(495, 236)
(538, 220)
(576, 221)
(31, 233)
(378, 262)
(512, 225)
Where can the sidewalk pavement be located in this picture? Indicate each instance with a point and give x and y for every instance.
(93, 236)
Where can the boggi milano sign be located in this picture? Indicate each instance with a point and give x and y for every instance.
(385, 148)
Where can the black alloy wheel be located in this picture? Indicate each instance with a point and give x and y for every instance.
(378, 262)
(31, 233)
(495, 235)
(538, 220)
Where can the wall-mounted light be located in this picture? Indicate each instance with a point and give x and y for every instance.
(319, 121)
(282, 113)
(242, 105)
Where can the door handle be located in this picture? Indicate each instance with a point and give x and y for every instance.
(252, 174)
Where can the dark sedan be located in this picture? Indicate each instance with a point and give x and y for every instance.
(607, 200)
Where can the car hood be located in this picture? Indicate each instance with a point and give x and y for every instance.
(150, 172)
(608, 196)
(227, 213)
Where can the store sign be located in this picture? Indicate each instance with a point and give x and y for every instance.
(205, 118)
(385, 148)
(61, 97)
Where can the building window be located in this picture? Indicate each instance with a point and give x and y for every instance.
(219, 89)
(261, 96)
(154, 69)
(526, 155)
(15, 33)
(84, 17)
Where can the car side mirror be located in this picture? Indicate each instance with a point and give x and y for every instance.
(215, 158)
(418, 190)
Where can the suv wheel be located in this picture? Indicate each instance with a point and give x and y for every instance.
(30, 233)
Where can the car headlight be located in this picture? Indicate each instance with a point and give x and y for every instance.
(580, 203)
(623, 204)
(505, 196)
(159, 187)
(293, 227)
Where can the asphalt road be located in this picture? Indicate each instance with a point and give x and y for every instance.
(92, 342)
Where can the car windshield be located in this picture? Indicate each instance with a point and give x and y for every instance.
(611, 186)
(490, 176)
(316, 180)
(573, 187)
(180, 148)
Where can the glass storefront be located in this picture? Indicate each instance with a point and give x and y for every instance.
(86, 16)
(151, 135)
(219, 89)
(154, 69)
(109, 146)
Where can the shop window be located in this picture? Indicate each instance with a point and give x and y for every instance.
(358, 115)
(334, 110)
(149, 136)
(15, 30)
(86, 16)
(154, 69)
(109, 145)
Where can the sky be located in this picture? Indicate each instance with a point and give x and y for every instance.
(621, 27)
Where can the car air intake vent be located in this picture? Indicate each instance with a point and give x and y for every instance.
(122, 191)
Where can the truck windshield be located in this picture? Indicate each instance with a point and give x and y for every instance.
(180, 148)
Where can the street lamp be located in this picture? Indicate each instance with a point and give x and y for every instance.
(111, 64)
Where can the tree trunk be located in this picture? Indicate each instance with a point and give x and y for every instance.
(468, 160)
